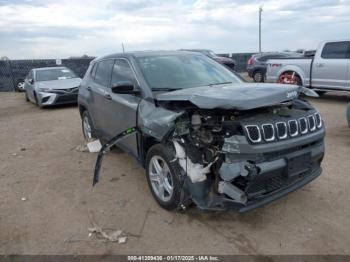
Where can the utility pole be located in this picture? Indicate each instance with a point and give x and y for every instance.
(123, 47)
(260, 11)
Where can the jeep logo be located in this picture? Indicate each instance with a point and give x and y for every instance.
(292, 94)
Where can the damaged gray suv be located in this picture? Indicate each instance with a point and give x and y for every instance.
(202, 134)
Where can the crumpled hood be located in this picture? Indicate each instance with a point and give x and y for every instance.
(60, 84)
(242, 96)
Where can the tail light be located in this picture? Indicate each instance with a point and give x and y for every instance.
(250, 61)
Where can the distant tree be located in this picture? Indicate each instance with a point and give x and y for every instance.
(83, 56)
(4, 58)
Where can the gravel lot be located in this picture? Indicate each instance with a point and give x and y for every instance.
(47, 202)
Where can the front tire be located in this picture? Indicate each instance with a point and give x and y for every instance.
(163, 177)
(87, 127)
(26, 97)
(36, 100)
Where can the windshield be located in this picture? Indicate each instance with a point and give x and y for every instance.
(184, 71)
(54, 74)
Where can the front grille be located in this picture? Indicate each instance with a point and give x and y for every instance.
(303, 125)
(269, 132)
(73, 90)
(67, 98)
(293, 128)
(312, 125)
(266, 184)
(318, 120)
(253, 133)
(281, 130)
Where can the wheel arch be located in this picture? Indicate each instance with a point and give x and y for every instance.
(146, 142)
(82, 108)
(292, 69)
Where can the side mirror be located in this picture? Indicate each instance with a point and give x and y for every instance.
(31, 81)
(125, 87)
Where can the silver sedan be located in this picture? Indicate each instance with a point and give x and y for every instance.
(51, 86)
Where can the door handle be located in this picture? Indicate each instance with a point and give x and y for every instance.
(108, 96)
(320, 64)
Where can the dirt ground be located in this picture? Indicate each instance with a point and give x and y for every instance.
(47, 201)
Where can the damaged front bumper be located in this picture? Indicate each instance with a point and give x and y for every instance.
(214, 202)
(254, 175)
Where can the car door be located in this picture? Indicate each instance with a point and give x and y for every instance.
(100, 79)
(120, 110)
(330, 68)
(347, 83)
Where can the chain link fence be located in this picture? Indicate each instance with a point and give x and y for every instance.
(13, 72)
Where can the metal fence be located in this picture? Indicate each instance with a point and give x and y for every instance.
(13, 72)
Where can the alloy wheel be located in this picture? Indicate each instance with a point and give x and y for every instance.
(87, 128)
(161, 179)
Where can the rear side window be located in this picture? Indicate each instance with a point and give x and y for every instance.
(265, 58)
(103, 72)
(336, 50)
(122, 72)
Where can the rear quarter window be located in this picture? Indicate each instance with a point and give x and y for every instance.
(336, 50)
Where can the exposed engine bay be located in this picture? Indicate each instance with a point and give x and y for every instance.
(218, 146)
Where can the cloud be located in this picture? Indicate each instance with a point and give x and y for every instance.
(38, 28)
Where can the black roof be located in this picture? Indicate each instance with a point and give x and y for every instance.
(143, 54)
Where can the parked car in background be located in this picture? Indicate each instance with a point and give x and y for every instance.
(227, 61)
(328, 70)
(19, 85)
(48, 86)
(256, 65)
(202, 134)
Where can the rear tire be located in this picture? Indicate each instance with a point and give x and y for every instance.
(289, 79)
(20, 86)
(298, 80)
(258, 77)
(168, 175)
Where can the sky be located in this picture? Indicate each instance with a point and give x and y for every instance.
(59, 29)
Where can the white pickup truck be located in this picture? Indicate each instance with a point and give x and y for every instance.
(328, 70)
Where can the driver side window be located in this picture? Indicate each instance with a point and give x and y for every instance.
(122, 72)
